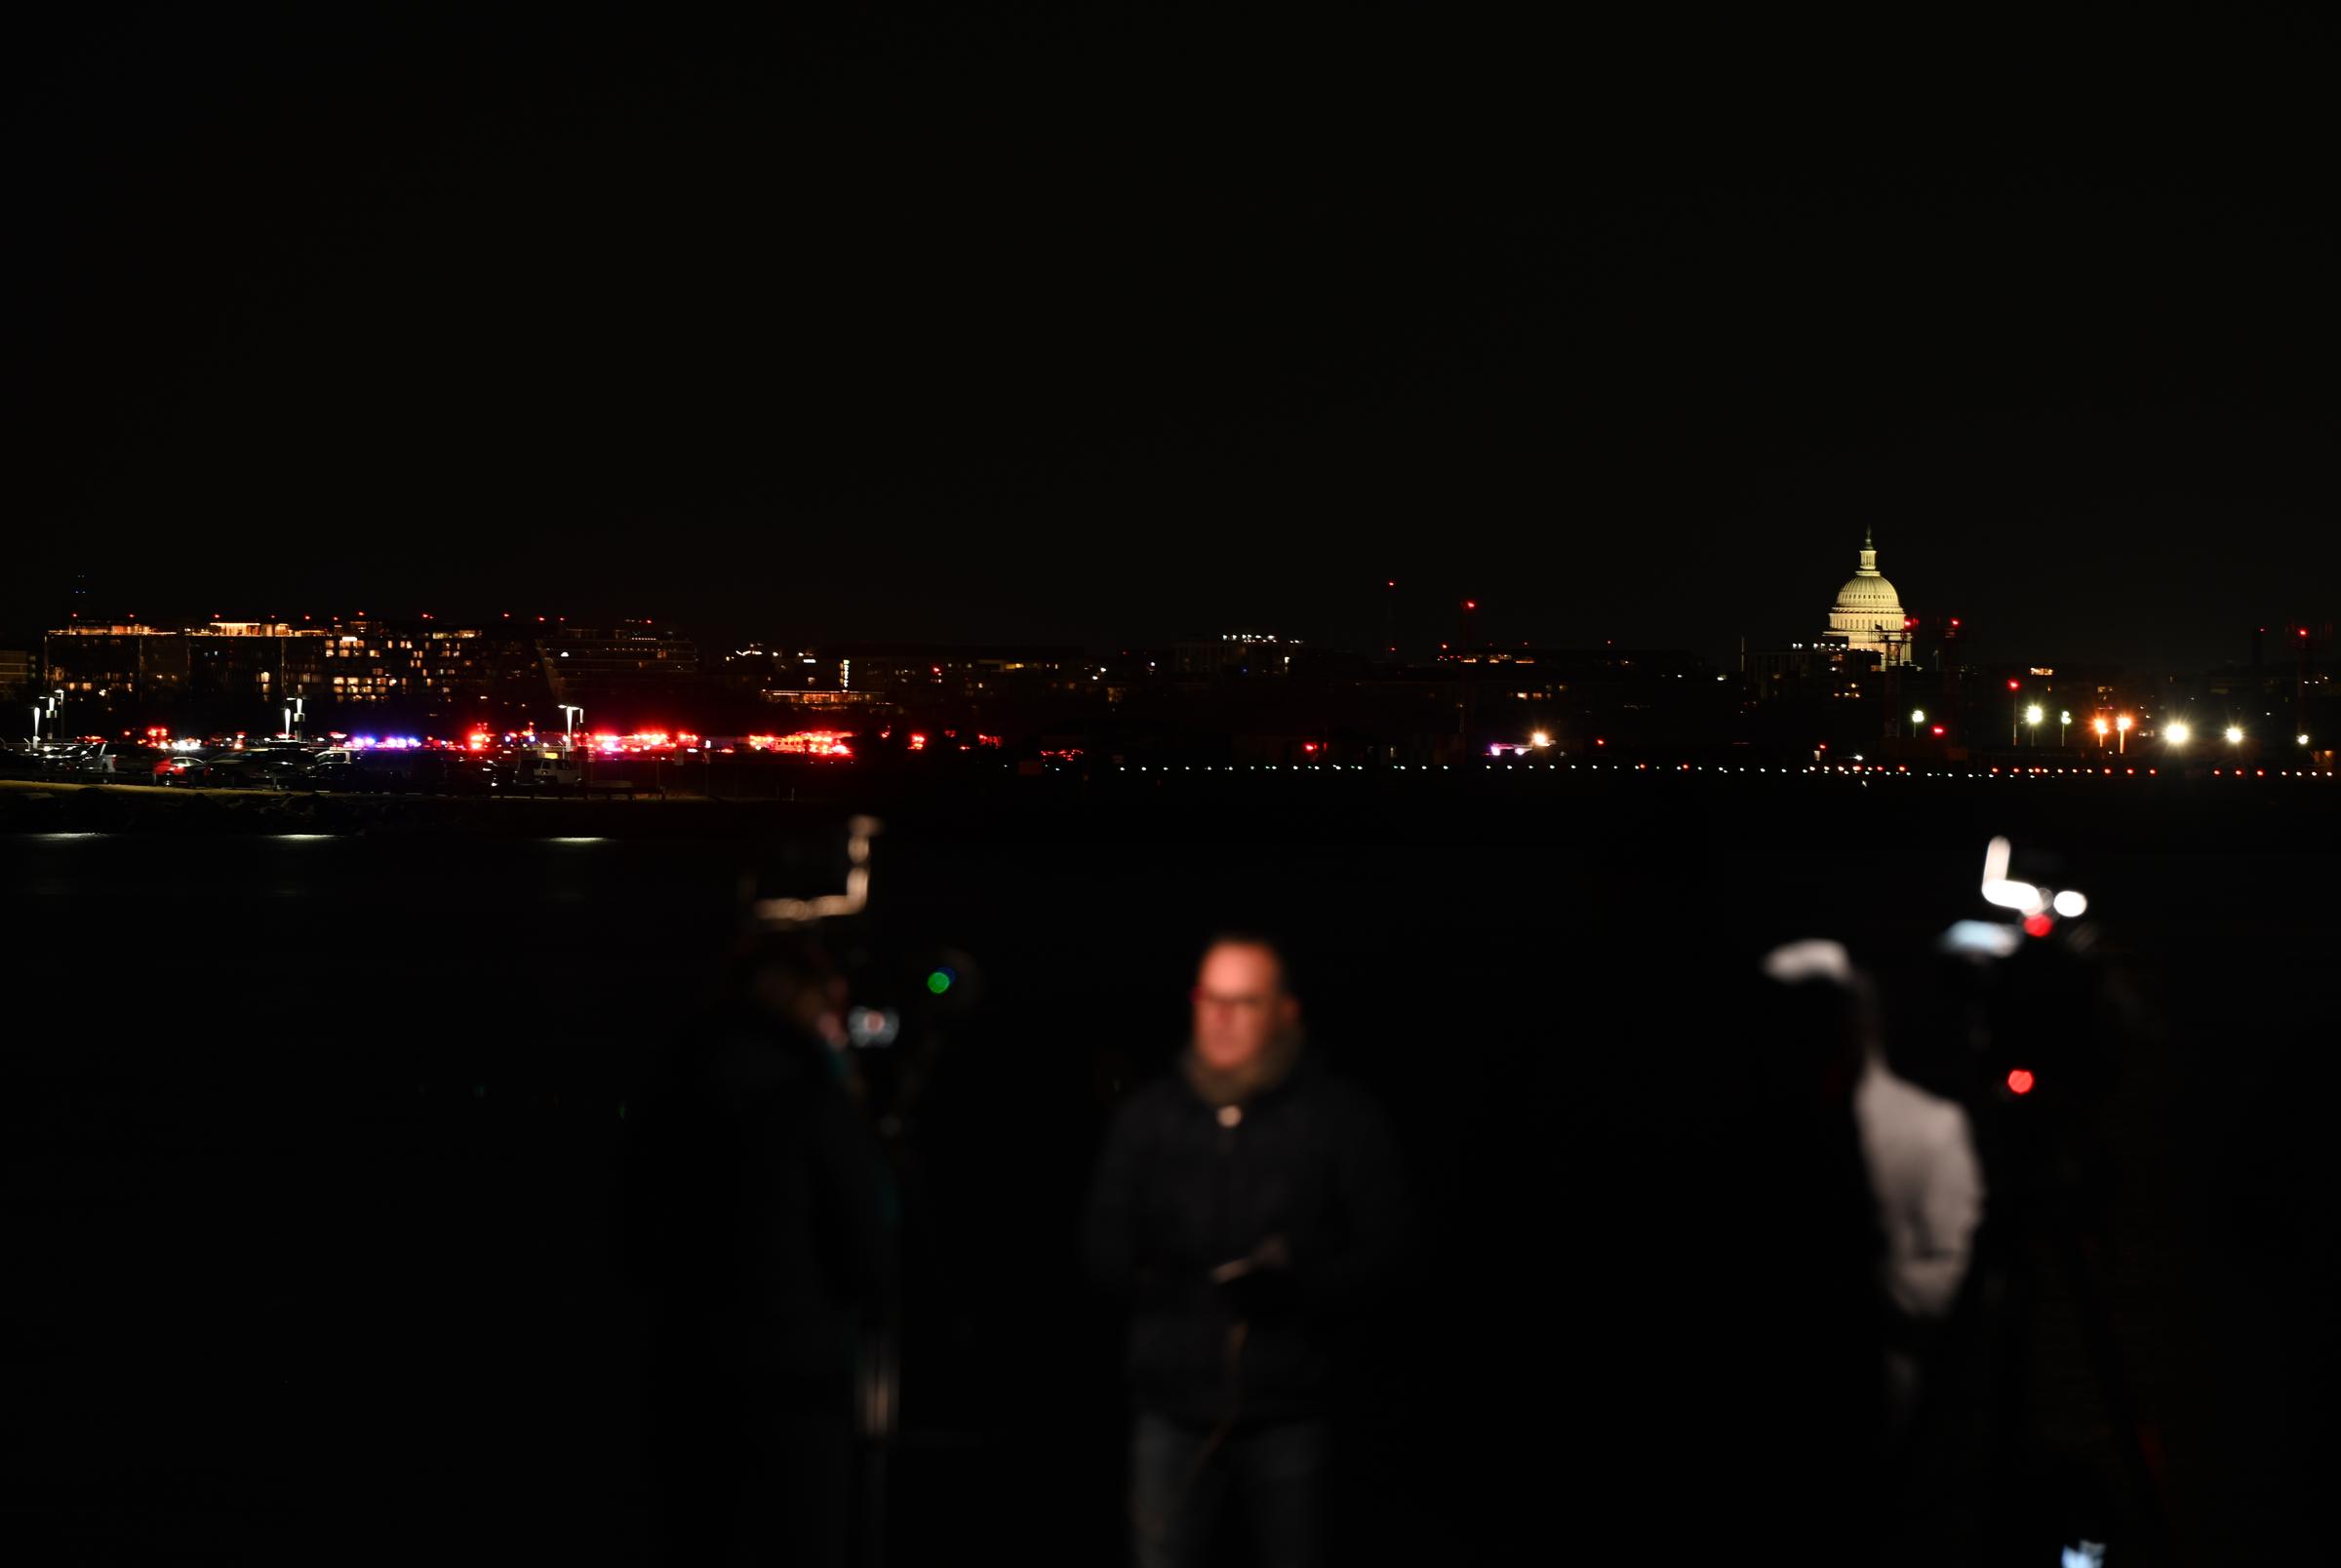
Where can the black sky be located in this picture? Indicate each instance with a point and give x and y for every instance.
(1118, 323)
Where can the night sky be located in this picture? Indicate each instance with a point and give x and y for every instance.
(1116, 324)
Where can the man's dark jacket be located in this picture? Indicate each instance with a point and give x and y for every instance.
(1181, 1191)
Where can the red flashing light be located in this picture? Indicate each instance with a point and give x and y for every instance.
(2038, 926)
(1472, 603)
(1599, 741)
(2019, 1081)
(1938, 729)
(1954, 621)
(1308, 746)
(2015, 685)
(805, 742)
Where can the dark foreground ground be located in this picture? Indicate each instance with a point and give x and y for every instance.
(311, 1142)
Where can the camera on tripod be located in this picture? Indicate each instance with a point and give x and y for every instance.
(898, 1003)
(2041, 1019)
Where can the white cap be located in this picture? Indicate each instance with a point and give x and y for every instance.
(1814, 958)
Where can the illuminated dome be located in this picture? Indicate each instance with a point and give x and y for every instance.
(1868, 612)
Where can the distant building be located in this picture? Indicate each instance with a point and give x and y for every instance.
(1828, 669)
(231, 668)
(632, 673)
(1234, 653)
(20, 672)
(1868, 612)
(120, 662)
(909, 671)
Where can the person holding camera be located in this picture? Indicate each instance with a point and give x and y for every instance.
(759, 1220)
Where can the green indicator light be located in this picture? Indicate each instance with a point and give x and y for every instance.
(940, 981)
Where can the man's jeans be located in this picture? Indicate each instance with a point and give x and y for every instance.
(1179, 1490)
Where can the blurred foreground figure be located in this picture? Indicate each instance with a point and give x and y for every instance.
(1246, 1208)
(759, 1225)
(1789, 1369)
(1923, 1170)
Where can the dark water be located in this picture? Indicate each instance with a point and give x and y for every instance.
(310, 1145)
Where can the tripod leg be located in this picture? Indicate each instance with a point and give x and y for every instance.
(2079, 1255)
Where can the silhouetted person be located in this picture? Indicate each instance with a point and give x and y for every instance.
(760, 1224)
(1924, 1175)
(1248, 1206)
(1786, 1347)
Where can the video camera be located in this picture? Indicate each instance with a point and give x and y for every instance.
(901, 1001)
(2045, 1016)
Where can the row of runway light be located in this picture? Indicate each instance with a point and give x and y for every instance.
(1852, 770)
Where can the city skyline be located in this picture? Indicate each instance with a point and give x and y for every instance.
(1423, 627)
(1010, 334)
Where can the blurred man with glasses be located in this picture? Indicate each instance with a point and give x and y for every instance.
(1249, 1208)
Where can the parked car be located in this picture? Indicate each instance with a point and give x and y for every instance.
(184, 767)
(258, 770)
(91, 759)
(333, 769)
(546, 772)
(450, 772)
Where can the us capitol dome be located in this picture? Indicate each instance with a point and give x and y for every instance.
(1868, 612)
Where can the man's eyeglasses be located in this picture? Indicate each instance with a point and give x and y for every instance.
(1257, 1003)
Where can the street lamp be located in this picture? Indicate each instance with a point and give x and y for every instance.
(2064, 719)
(572, 712)
(2033, 717)
(2234, 734)
(2121, 739)
(2101, 727)
(2178, 734)
(2302, 739)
